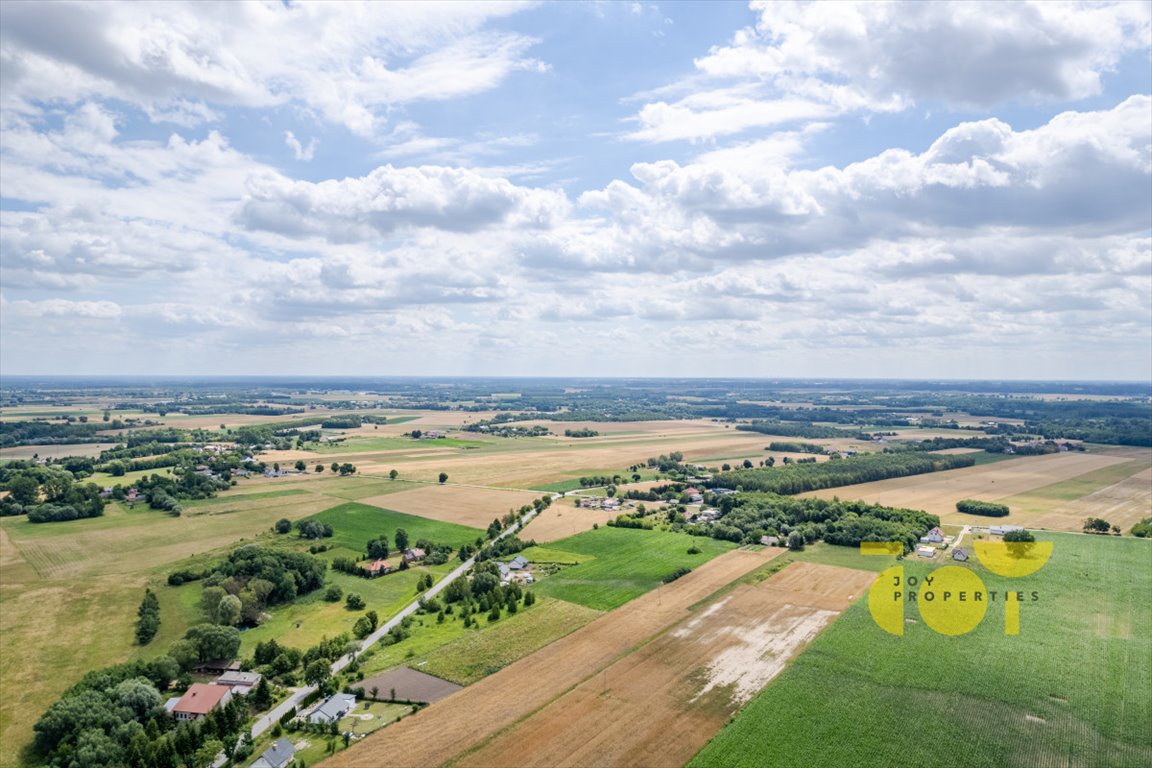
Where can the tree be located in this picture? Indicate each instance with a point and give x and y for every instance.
(261, 698)
(401, 539)
(319, 468)
(23, 490)
(148, 618)
(443, 477)
(300, 465)
(354, 602)
(228, 611)
(378, 547)
(795, 540)
(1019, 536)
(393, 474)
(747, 464)
(335, 467)
(1097, 525)
(206, 755)
(283, 525)
(317, 672)
(334, 593)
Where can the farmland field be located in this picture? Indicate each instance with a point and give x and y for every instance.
(474, 507)
(1070, 690)
(660, 704)
(625, 563)
(354, 524)
(503, 698)
(938, 492)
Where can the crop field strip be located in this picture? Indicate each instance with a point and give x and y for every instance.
(475, 507)
(1071, 690)
(660, 704)
(448, 728)
(938, 493)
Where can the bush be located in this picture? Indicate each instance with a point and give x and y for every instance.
(985, 508)
(334, 594)
(676, 574)
(354, 602)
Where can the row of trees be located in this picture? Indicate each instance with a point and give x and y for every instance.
(147, 618)
(48, 494)
(798, 478)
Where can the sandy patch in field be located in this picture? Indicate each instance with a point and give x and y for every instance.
(659, 705)
(474, 507)
(938, 492)
(458, 723)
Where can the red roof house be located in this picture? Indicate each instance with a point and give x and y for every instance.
(200, 699)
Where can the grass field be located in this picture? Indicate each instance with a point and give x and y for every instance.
(464, 656)
(354, 524)
(626, 563)
(464, 505)
(1071, 690)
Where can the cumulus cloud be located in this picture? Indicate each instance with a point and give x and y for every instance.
(814, 60)
(391, 199)
(349, 62)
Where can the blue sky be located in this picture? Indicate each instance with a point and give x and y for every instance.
(727, 189)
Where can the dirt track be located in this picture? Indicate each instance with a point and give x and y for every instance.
(462, 721)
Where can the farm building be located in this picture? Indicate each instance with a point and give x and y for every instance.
(926, 551)
(587, 502)
(199, 700)
(518, 563)
(610, 503)
(332, 709)
(216, 667)
(413, 555)
(770, 541)
(240, 682)
(959, 554)
(1000, 530)
(279, 755)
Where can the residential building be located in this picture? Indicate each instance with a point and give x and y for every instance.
(959, 554)
(414, 555)
(240, 682)
(377, 567)
(333, 708)
(199, 700)
(279, 755)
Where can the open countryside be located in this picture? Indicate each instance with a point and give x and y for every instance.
(645, 579)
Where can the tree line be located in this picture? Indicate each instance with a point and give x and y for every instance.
(799, 478)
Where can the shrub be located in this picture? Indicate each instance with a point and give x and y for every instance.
(986, 508)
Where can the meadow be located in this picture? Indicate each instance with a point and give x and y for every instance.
(354, 524)
(626, 563)
(1071, 689)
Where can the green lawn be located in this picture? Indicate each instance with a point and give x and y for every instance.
(627, 563)
(354, 524)
(1071, 689)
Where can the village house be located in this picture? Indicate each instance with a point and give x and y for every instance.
(926, 551)
(518, 563)
(199, 700)
(610, 503)
(332, 709)
(413, 555)
(279, 755)
(934, 536)
(770, 541)
(587, 502)
(377, 567)
(959, 554)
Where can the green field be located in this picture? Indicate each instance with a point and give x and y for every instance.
(626, 563)
(354, 524)
(465, 655)
(1072, 689)
(1040, 499)
(550, 555)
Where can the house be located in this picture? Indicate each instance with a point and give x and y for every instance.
(959, 554)
(518, 563)
(1000, 530)
(708, 515)
(926, 551)
(240, 682)
(695, 498)
(377, 567)
(413, 555)
(199, 700)
(280, 754)
(333, 708)
(770, 541)
(587, 502)
(133, 495)
(690, 491)
(610, 503)
(106, 493)
(505, 571)
(934, 536)
(722, 491)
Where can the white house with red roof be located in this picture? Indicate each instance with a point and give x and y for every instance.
(200, 699)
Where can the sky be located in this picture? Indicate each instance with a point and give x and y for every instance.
(878, 190)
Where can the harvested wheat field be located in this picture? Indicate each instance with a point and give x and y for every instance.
(562, 520)
(462, 721)
(475, 507)
(1123, 504)
(660, 705)
(938, 492)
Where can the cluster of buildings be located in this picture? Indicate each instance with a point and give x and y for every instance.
(609, 503)
(518, 569)
(380, 567)
(202, 698)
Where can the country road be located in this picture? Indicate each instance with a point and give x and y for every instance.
(299, 694)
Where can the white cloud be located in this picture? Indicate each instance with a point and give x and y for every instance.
(391, 199)
(350, 62)
(299, 150)
(804, 61)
